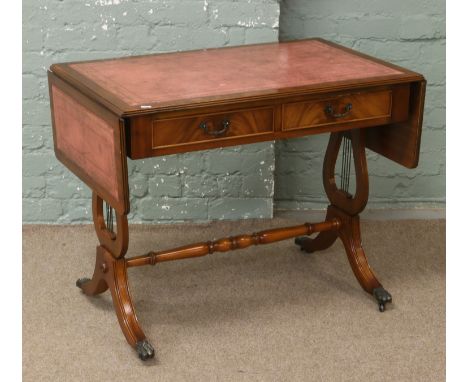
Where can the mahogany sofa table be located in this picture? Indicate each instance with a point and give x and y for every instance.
(162, 104)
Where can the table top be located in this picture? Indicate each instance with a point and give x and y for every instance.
(171, 80)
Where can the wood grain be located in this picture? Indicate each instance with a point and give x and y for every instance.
(232, 243)
(182, 131)
(365, 106)
(111, 273)
(400, 142)
(115, 243)
(351, 204)
(178, 131)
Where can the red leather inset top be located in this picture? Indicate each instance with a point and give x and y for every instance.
(161, 78)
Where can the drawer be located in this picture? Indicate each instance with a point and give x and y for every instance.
(371, 106)
(174, 132)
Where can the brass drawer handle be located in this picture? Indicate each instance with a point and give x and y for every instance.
(216, 133)
(330, 112)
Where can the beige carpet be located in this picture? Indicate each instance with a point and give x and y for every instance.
(267, 313)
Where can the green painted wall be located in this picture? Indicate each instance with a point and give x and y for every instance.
(407, 33)
(237, 182)
(230, 183)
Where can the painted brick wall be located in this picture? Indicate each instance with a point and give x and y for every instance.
(407, 33)
(229, 183)
(236, 182)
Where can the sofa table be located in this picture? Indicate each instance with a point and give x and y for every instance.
(163, 104)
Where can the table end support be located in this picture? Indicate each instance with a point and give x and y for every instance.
(350, 235)
(345, 208)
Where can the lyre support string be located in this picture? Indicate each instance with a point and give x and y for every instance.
(345, 163)
(109, 218)
(343, 160)
(349, 164)
(346, 179)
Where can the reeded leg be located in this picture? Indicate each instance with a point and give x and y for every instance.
(350, 235)
(96, 285)
(346, 208)
(112, 273)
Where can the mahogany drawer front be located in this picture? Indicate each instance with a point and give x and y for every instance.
(181, 131)
(346, 108)
(174, 132)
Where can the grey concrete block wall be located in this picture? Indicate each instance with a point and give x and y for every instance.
(230, 183)
(407, 33)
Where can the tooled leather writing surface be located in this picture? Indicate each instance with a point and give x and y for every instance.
(163, 78)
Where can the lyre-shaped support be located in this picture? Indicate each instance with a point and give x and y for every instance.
(351, 204)
(345, 208)
(110, 272)
(115, 242)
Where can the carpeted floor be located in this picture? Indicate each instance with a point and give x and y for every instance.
(267, 313)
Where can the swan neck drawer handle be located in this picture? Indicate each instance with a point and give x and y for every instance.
(216, 133)
(331, 112)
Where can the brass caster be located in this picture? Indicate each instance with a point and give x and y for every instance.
(382, 297)
(300, 241)
(81, 282)
(144, 349)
